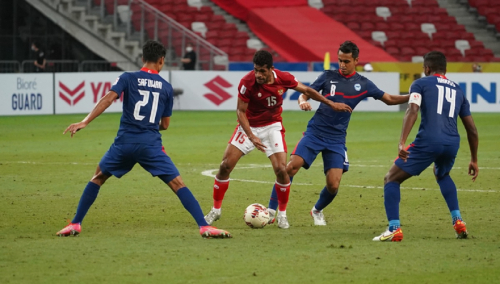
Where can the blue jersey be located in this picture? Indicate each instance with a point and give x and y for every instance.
(350, 90)
(147, 97)
(442, 102)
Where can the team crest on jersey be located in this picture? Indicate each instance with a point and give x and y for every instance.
(280, 92)
(357, 87)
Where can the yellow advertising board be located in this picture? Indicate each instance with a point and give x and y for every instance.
(409, 72)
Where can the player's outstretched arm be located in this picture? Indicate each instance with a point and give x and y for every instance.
(313, 94)
(473, 138)
(99, 108)
(408, 122)
(394, 99)
(303, 103)
(243, 120)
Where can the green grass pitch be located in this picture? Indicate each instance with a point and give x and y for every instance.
(138, 232)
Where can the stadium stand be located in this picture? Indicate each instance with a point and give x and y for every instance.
(415, 27)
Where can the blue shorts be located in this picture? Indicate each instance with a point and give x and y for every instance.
(121, 158)
(334, 154)
(422, 156)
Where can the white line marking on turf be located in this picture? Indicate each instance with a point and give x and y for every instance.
(210, 173)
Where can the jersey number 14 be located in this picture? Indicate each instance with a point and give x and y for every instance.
(449, 94)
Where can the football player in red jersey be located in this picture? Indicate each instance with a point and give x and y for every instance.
(260, 126)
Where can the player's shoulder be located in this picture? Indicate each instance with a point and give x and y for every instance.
(248, 80)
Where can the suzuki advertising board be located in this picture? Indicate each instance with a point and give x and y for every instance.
(23, 94)
(79, 92)
(216, 90)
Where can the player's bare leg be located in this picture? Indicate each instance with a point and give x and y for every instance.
(221, 183)
(193, 207)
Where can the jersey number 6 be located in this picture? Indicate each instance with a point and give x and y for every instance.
(144, 102)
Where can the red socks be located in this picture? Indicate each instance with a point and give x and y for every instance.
(283, 191)
(220, 188)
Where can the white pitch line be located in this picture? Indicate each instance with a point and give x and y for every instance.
(210, 173)
(250, 166)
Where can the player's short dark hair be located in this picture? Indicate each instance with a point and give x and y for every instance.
(350, 47)
(263, 57)
(152, 51)
(436, 61)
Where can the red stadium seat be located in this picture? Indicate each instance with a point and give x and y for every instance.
(407, 51)
(394, 51)
(354, 26)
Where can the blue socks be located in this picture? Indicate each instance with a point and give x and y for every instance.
(191, 205)
(449, 192)
(392, 197)
(273, 200)
(325, 198)
(88, 197)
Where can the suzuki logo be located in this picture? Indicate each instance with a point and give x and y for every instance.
(72, 97)
(216, 85)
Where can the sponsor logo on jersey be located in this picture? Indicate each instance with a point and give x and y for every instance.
(357, 87)
(71, 96)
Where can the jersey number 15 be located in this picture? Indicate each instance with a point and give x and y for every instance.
(449, 94)
(144, 102)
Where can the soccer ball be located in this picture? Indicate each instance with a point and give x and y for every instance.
(256, 216)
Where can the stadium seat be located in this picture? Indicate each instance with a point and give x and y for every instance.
(318, 4)
(254, 44)
(407, 51)
(462, 45)
(417, 59)
(199, 27)
(383, 12)
(428, 28)
(394, 51)
(379, 36)
(195, 3)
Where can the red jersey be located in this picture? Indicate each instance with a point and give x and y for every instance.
(264, 101)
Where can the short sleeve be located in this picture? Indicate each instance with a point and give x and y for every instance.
(243, 92)
(464, 108)
(167, 112)
(373, 90)
(288, 80)
(120, 85)
(319, 82)
(416, 88)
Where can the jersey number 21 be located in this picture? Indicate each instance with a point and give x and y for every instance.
(449, 94)
(144, 102)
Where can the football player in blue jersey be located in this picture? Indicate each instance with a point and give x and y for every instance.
(147, 107)
(440, 102)
(327, 129)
